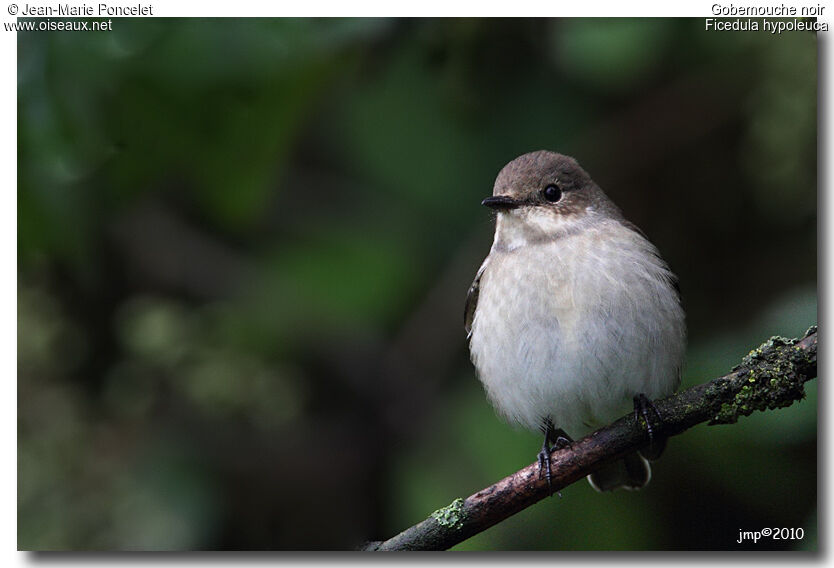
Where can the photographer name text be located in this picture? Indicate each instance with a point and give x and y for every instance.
(87, 10)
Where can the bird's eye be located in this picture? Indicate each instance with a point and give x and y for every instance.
(552, 193)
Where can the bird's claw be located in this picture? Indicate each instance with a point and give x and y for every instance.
(560, 441)
(642, 406)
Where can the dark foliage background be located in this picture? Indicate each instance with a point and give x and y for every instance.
(244, 247)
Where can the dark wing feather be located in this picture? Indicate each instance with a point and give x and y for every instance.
(472, 301)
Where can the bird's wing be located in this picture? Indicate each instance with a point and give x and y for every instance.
(673, 279)
(472, 300)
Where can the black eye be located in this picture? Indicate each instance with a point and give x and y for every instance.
(552, 193)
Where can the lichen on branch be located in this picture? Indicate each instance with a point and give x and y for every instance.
(766, 379)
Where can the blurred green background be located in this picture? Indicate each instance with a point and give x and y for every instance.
(244, 248)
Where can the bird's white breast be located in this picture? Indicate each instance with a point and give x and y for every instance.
(573, 327)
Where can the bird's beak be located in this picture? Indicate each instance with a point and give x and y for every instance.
(500, 202)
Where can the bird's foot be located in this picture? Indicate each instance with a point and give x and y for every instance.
(643, 407)
(560, 440)
(544, 465)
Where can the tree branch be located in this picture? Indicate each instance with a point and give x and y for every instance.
(771, 376)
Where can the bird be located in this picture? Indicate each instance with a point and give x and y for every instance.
(574, 318)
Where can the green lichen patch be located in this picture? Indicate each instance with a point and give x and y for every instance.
(768, 377)
(451, 516)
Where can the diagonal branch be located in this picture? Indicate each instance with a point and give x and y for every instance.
(771, 376)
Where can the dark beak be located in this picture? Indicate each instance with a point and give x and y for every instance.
(500, 202)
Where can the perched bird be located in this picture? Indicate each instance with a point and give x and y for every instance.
(573, 316)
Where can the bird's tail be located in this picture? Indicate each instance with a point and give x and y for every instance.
(632, 472)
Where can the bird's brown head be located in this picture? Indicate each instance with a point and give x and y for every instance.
(544, 193)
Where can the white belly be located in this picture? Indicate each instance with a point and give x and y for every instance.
(574, 328)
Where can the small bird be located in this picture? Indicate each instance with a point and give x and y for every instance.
(573, 316)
